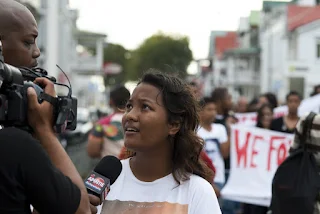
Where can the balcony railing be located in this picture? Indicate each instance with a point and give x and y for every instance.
(246, 77)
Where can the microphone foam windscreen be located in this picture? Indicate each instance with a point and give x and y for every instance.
(110, 167)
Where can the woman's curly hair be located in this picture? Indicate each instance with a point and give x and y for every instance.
(182, 107)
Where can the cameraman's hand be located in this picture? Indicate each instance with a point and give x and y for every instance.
(40, 116)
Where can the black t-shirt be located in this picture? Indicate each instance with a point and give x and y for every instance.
(27, 176)
(280, 126)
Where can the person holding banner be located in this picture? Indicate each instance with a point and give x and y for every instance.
(287, 124)
(265, 115)
(268, 98)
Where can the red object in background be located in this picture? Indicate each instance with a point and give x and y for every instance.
(123, 154)
(226, 42)
(111, 68)
(208, 162)
(299, 16)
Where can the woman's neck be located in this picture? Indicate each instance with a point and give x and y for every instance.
(150, 166)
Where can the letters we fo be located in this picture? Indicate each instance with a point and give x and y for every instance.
(256, 148)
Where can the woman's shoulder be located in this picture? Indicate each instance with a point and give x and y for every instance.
(200, 184)
(202, 197)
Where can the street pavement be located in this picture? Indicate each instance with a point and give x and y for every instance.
(78, 154)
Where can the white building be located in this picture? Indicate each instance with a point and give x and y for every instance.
(240, 65)
(307, 2)
(216, 76)
(290, 43)
(59, 41)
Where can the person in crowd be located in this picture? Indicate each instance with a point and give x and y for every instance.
(223, 101)
(316, 90)
(215, 136)
(165, 173)
(242, 105)
(106, 137)
(265, 116)
(35, 169)
(253, 105)
(195, 89)
(288, 123)
(269, 98)
(264, 119)
(314, 142)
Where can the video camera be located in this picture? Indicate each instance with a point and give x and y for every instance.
(14, 83)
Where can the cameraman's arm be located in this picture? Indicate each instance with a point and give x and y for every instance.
(40, 117)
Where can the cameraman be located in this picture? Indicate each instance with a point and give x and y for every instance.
(35, 170)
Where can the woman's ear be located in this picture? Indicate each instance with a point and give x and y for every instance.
(174, 128)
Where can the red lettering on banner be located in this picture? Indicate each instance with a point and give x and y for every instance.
(272, 148)
(244, 119)
(242, 152)
(254, 152)
(282, 153)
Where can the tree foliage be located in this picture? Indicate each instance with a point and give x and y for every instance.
(167, 53)
(116, 53)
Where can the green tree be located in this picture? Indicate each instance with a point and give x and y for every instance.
(116, 53)
(164, 52)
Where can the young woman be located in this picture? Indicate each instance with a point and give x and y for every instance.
(265, 116)
(165, 173)
(264, 119)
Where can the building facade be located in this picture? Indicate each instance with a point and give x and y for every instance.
(78, 53)
(243, 62)
(291, 49)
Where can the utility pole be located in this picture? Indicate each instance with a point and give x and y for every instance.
(52, 28)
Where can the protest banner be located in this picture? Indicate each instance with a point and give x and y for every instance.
(255, 156)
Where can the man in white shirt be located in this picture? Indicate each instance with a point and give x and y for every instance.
(216, 140)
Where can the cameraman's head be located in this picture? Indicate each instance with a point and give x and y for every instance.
(18, 33)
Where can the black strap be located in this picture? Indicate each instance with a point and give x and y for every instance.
(306, 132)
(48, 98)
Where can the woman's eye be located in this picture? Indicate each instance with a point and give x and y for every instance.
(145, 107)
(28, 44)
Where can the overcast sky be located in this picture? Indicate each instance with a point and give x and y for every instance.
(129, 22)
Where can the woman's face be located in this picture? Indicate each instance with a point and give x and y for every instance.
(145, 121)
(267, 116)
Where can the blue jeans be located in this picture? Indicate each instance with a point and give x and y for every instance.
(227, 206)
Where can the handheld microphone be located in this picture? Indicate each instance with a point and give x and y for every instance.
(103, 176)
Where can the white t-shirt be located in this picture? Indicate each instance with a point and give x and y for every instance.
(213, 140)
(162, 196)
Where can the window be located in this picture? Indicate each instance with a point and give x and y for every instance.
(318, 47)
(293, 47)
